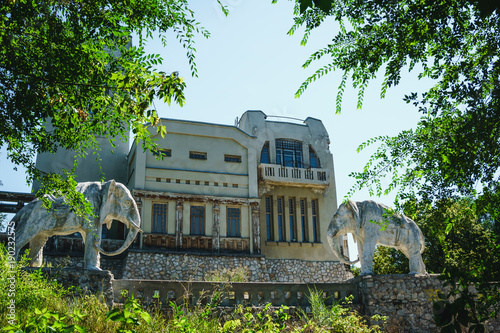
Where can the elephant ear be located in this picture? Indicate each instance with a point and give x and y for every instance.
(355, 210)
(108, 189)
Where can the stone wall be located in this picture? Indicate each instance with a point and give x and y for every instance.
(58, 261)
(405, 299)
(89, 281)
(172, 266)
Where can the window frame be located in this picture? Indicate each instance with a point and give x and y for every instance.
(163, 152)
(315, 220)
(268, 203)
(162, 212)
(198, 155)
(230, 218)
(194, 217)
(289, 153)
(232, 158)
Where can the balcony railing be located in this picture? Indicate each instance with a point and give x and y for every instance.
(311, 177)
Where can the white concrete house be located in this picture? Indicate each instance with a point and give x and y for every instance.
(263, 187)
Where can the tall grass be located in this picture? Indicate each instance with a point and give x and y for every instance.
(45, 306)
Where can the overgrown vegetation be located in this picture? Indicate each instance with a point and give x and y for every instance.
(45, 306)
(238, 274)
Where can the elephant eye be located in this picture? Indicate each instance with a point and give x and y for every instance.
(128, 203)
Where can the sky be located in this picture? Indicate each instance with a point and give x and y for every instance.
(250, 63)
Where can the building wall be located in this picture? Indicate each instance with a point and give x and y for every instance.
(181, 181)
(312, 134)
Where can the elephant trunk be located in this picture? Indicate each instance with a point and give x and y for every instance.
(128, 241)
(335, 240)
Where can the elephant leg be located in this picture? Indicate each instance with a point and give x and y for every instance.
(366, 257)
(36, 250)
(91, 257)
(21, 241)
(417, 265)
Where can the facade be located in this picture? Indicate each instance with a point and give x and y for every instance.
(261, 187)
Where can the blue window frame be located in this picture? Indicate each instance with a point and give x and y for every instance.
(233, 222)
(289, 153)
(264, 155)
(269, 218)
(303, 220)
(313, 158)
(292, 219)
(159, 218)
(197, 220)
(281, 226)
(315, 220)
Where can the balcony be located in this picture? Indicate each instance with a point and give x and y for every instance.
(274, 174)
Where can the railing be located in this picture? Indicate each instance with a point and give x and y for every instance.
(232, 293)
(75, 244)
(274, 173)
(196, 242)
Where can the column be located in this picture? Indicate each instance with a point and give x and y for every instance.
(256, 227)
(216, 228)
(138, 202)
(178, 224)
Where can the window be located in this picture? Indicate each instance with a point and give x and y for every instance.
(198, 220)
(315, 220)
(163, 152)
(313, 158)
(281, 226)
(159, 218)
(197, 155)
(303, 219)
(292, 219)
(232, 158)
(269, 218)
(289, 153)
(264, 155)
(233, 222)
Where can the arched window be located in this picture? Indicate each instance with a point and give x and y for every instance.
(264, 155)
(313, 158)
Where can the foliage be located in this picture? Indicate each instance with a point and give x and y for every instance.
(388, 260)
(238, 274)
(44, 320)
(336, 318)
(131, 315)
(69, 74)
(356, 271)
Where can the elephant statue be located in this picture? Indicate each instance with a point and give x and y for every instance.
(372, 223)
(34, 223)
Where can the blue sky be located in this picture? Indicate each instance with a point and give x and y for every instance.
(250, 63)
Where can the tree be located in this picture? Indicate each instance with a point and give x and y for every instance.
(71, 63)
(454, 152)
(456, 145)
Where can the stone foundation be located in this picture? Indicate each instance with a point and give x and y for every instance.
(191, 267)
(58, 261)
(406, 300)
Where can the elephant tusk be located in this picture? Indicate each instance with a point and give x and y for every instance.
(125, 245)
